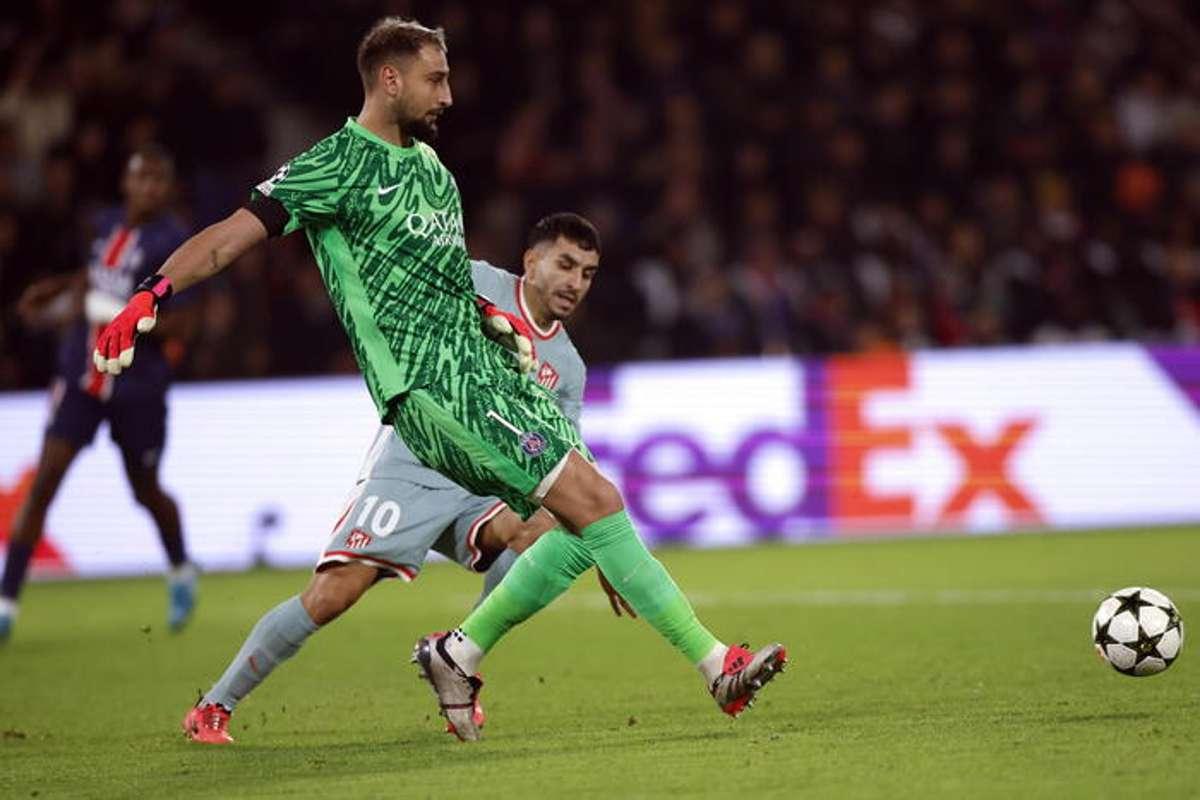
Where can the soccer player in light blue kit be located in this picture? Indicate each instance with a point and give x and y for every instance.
(400, 509)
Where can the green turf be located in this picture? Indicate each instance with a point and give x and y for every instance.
(927, 668)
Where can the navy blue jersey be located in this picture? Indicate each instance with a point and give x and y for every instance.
(119, 258)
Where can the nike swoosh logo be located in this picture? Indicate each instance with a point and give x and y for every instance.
(386, 190)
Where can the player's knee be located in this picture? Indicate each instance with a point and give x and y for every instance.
(601, 497)
(147, 495)
(39, 497)
(334, 591)
(523, 540)
(582, 495)
(324, 605)
(608, 498)
(45, 484)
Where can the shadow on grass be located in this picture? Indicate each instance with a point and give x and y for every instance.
(264, 768)
(318, 753)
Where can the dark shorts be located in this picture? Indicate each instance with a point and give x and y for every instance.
(137, 422)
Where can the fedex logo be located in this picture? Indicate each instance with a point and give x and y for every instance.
(981, 456)
(808, 448)
(715, 453)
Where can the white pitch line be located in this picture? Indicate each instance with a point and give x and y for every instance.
(868, 597)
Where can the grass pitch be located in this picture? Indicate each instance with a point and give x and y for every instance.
(920, 668)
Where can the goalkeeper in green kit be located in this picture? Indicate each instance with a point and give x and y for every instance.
(384, 220)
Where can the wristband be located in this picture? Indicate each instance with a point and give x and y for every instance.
(157, 285)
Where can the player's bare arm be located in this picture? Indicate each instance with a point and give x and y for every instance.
(213, 249)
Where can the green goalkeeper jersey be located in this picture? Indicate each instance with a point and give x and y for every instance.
(385, 225)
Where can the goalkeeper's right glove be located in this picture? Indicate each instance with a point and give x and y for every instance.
(114, 345)
(512, 332)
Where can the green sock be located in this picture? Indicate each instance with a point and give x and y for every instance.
(542, 573)
(643, 581)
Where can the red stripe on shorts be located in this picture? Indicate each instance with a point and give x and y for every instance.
(476, 526)
(407, 572)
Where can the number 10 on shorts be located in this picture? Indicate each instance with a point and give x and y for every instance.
(384, 519)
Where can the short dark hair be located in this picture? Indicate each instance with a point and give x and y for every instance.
(391, 37)
(568, 225)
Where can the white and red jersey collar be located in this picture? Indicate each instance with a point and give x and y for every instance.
(541, 333)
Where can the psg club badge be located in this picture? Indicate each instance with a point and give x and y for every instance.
(533, 443)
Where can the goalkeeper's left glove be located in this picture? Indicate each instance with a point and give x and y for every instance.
(114, 345)
(512, 332)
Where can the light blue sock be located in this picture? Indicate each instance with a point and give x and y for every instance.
(277, 637)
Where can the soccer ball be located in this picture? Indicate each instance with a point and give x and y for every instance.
(1137, 631)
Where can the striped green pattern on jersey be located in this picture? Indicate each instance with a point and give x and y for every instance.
(385, 225)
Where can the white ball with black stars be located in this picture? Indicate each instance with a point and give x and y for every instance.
(1138, 631)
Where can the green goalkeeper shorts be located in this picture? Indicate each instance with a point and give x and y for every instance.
(490, 430)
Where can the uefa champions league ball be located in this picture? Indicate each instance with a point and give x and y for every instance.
(1138, 631)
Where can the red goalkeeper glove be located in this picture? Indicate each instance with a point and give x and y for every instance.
(114, 345)
(512, 332)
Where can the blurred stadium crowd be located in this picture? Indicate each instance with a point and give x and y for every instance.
(769, 177)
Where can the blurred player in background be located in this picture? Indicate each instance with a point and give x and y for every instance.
(131, 242)
(384, 221)
(401, 509)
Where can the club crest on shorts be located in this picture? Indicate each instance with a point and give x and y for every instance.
(533, 443)
(357, 539)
